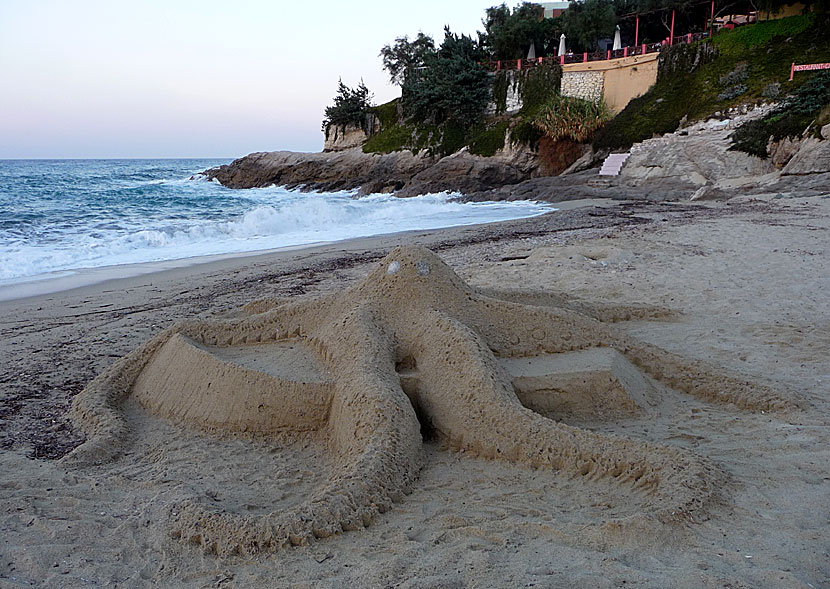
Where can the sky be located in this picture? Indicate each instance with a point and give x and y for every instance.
(180, 78)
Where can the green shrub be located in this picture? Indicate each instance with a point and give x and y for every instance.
(563, 117)
(490, 140)
(387, 114)
(791, 119)
(526, 133)
(736, 76)
(538, 84)
(351, 105)
(451, 87)
(501, 85)
(733, 92)
(394, 138)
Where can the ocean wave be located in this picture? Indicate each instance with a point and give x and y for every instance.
(180, 218)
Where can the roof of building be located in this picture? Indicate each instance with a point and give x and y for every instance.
(554, 8)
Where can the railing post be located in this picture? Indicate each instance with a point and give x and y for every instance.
(540, 60)
(625, 52)
(671, 38)
(792, 72)
(519, 65)
(712, 19)
(689, 38)
(637, 32)
(609, 54)
(498, 66)
(562, 59)
(644, 48)
(585, 57)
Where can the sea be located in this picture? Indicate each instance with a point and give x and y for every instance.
(60, 217)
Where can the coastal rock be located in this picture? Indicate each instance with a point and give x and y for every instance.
(464, 173)
(697, 156)
(582, 164)
(710, 193)
(813, 157)
(401, 171)
(695, 159)
(342, 170)
(781, 152)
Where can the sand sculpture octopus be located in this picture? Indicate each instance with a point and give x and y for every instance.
(411, 347)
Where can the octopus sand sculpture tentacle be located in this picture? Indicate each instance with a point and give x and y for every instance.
(411, 346)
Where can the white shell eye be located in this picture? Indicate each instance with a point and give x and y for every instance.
(393, 268)
(423, 268)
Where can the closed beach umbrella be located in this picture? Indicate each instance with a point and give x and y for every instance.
(532, 53)
(617, 41)
(562, 45)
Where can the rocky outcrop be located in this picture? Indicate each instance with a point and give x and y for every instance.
(781, 152)
(812, 157)
(693, 163)
(464, 173)
(401, 171)
(343, 170)
(698, 156)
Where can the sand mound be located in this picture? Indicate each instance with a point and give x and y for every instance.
(412, 350)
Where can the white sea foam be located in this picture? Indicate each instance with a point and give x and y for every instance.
(269, 218)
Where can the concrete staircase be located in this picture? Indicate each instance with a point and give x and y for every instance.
(613, 164)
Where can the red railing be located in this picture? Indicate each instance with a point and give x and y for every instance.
(645, 48)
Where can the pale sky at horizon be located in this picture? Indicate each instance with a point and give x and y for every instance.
(176, 78)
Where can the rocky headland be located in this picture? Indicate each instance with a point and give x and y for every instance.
(403, 172)
(694, 162)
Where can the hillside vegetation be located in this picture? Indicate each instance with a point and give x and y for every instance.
(484, 136)
(747, 65)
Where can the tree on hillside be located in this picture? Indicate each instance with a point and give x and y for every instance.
(351, 105)
(452, 85)
(405, 56)
(588, 21)
(509, 34)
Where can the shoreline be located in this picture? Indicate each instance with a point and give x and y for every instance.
(75, 279)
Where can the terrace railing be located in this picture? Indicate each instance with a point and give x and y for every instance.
(568, 58)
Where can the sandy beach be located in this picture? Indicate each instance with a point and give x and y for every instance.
(746, 281)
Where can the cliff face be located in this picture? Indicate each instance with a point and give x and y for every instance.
(342, 137)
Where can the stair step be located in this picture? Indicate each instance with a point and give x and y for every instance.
(613, 164)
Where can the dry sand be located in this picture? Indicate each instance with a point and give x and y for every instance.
(750, 281)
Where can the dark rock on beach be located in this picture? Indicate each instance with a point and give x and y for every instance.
(402, 172)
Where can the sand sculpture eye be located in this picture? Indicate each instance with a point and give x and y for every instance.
(423, 268)
(393, 267)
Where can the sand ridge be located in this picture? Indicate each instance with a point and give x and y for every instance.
(411, 314)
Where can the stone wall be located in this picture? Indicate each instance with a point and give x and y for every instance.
(586, 85)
